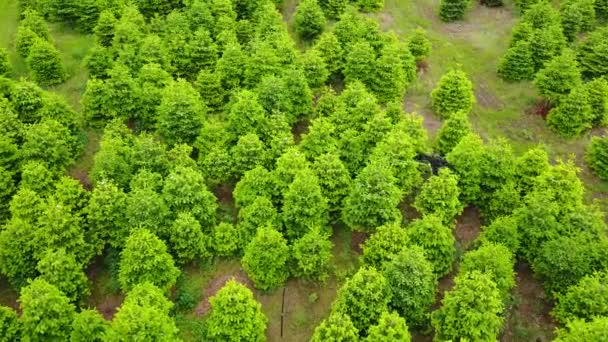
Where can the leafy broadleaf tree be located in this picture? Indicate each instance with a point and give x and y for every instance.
(88, 326)
(312, 254)
(471, 310)
(60, 269)
(45, 63)
(309, 19)
(338, 327)
(467, 158)
(502, 230)
(597, 156)
(315, 68)
(333, 178)
(413, 284)
(581, 331)
(10, 326)
(265, 259)
(390, 327)
(226, 239)
(437, 240)
(259, 213)
(585, 300)
(364, 297)
(439, 196)
(564, 261)
(331, 51)
(105, 213)
(373, 199)
(384, 244)
(145, 259)
(144, 315)
(187, 239)
(304, 206)
(235, 315)
(573, 115)
(255, 183)
(46, 313)
(453, 10)
(17, 247)
(577, 16)
(559, 76)
(495, 260)
(453, 93)
(184, 189)
(180, 113)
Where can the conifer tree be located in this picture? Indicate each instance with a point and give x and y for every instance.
(5, 65)
(309, 19)
(373, 199)
(573, 115)
(359, 63)
(45, 63)
(559, 77)
(592, 53)
(180, 113)
(104, 30)
(517, 63)
(419, 44)
(304, 207)
(456, 127)
(597, 90)
(597, 156)
(452, 10)
(453, 93)
(331, 51)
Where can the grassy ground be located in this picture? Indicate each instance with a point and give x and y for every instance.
(503, 108)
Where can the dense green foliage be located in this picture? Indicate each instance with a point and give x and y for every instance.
(413, 284)
(364, 297)
(453, 93)
(585, 300)
(452, 10)
(430, 233)
(235, 315)
(597, 156)
(265, 259)
(471, 310)
(390, 327)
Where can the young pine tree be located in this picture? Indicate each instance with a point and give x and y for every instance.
(309, 19)
(456, 127)
(573, 115)
(597, 156)
(517, 63)
(453, 93)
(452, 10)
(419, 44)
(45, 63)
(559, 77)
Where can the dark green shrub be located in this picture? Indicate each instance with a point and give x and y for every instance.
(597, 156)
(453, 10)
(45, 63)
(309, 19)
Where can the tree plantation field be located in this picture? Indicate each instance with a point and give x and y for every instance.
(303, 170)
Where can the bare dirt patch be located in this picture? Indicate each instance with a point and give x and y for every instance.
(468, 227)
(529, 318)
(109, 306)
(358, 240)
(215, 285)
(224, 193)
